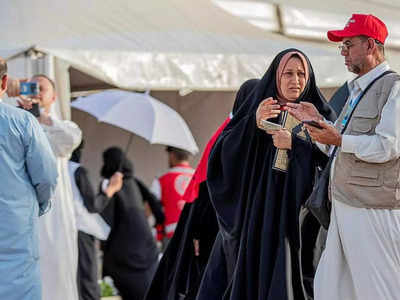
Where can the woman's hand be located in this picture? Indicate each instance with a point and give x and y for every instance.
(115, 184)
(267, 109)
(282, 138)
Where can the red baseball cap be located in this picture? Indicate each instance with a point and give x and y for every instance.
(359, 24)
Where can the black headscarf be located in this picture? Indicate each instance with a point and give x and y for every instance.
(243, 92)
(114, 159)
(267, 87)
(258, 207)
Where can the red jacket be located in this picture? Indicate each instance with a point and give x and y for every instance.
(200, 175)
(170, 189)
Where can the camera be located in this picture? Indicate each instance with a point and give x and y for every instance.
(29, 88)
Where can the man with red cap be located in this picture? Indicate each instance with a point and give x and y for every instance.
(361, 260)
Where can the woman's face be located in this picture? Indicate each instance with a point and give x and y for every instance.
(293, 79)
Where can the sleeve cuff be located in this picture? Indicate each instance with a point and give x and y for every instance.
(104, 185)
(349, 143)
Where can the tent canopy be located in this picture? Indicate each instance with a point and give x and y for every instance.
(161, 45)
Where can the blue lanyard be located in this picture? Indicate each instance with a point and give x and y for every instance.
(350, 108)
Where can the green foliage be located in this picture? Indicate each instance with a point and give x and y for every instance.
(107, 287)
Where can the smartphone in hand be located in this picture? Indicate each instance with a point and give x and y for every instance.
(313, 123)
(266, 125)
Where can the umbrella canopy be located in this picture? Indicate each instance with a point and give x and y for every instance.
(140, 114)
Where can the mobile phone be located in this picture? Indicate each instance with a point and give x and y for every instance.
(313, 123)
(266, 125)
(29, 88)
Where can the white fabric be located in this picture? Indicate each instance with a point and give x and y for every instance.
(175, 44)
(361, 260)
(90, 223)
(312, 18)
(170, 228)
(384, 145)
(180, 44)
(141, 114)
(156, 188)
(58, 232)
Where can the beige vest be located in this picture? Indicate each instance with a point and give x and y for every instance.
(367, 185)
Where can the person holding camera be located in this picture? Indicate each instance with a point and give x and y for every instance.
(362, 255)
(58, 232)
(28, 174)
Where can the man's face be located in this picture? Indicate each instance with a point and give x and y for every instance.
(354, 51)
(47, 95)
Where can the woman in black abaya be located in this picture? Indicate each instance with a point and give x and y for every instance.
(180, 270)
(258, 183)
(130, 252)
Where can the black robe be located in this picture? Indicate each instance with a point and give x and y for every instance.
(258, 253)
(130, 252)
(180, 271)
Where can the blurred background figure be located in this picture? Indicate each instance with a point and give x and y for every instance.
(170, 188)
(153, 208)
(130, 252)
(58, 233)
(90, 224)
(28, 173)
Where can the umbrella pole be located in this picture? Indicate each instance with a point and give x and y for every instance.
(129, 143)
(126, 151)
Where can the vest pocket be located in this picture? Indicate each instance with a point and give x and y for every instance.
(362, 125)
(365, 177)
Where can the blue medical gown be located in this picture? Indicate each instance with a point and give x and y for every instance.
(28, 177)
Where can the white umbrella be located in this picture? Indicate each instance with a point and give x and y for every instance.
(140, 114)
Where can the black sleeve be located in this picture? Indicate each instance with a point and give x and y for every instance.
(93, 203)
(150, 198)
(320, 157)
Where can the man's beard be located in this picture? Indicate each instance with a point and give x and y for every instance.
(355, 69)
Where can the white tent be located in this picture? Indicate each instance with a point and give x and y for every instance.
(178, 44)
(311, 19)
(182, 44)
(164, 45)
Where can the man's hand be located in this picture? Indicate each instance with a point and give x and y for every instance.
(267, 109)
(303, 111)
(25, 102)
(196, 244)
(328, 135)
(115, 184)
(282, 138)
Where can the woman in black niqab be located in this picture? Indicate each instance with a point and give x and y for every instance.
(259, 200)
(130, 252)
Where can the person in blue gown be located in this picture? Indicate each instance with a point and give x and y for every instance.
(28, 175)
